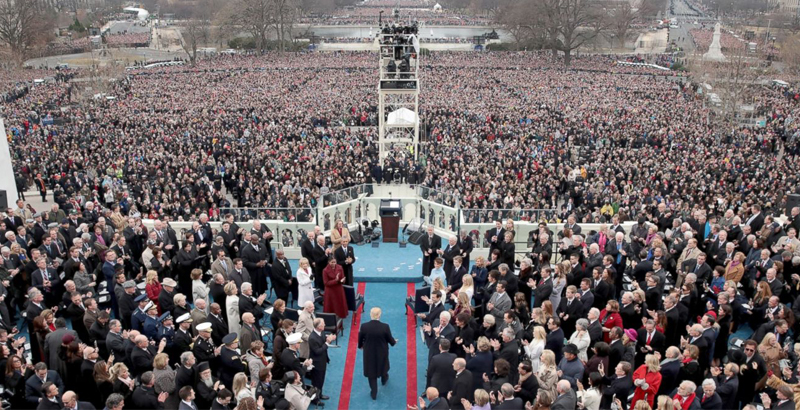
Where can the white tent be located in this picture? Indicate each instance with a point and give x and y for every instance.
(437, 8)
(402, 117)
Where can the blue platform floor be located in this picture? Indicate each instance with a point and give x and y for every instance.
(386, 263)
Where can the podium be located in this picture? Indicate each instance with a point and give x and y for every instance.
(391, 211)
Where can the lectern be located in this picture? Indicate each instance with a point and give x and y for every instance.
(391, 211)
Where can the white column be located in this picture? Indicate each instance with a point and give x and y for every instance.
(7, 182)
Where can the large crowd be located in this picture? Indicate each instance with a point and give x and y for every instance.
(599, 142)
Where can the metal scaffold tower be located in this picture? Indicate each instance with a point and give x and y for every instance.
(398, 91)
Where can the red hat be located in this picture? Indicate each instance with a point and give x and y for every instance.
(67, 339)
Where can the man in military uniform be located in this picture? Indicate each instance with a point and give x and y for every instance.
(140, 313)
(204, 349)
(230, 359)
(183, 336)
(167, 332)
(150, 328)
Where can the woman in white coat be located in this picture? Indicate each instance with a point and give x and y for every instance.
(305, 283)
(534, 348)
(232, 307)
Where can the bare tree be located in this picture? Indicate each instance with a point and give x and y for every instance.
(790, 53)
(578, 22)
(20, 25)
(284, 16)
(620, 18)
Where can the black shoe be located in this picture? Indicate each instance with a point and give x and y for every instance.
(318, 403)
(374, 395)
(385, 380)
(324, 397)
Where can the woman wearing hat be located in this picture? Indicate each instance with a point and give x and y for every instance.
(335, 301)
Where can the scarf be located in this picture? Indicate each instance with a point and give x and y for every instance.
(686, 402)
(687, 360)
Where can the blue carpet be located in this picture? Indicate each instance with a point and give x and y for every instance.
(386, 263)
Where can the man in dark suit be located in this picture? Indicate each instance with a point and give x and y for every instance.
(448, 253)
(51, 399)
(750, 372)
(255, 258)
(47, 281)
(785, 399)
(699, 267)
(696, 338)
(33, 386)
(619, 249)
(566, 399)
(509, 401)
(727, 384)
(618, 384)
(374, 338)
(439, 329)
(495, 237)
(307, 246)
(462, 385)
(672, 334)
(555, 339)
(320, 261)
(543, 289)
(70, 401)
(219, 328)
(318, 343)
(346, 257)
(466, 245)
(429, 245)
(145, 397)
(756, 219)
(143, 354)
(670, 370)
(441, 372)
(615, 348)
(648, 341)
(436, 308)
(570, 310)
(282, 281)
(586, 295)
(595, 328)
(456, 278)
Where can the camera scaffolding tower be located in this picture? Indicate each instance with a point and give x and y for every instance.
(398, 91)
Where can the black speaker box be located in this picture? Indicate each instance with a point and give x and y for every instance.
(415, 237)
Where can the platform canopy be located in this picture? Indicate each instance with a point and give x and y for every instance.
(402, 117)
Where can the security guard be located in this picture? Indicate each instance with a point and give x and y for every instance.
(230, 358)
(204, 349)
(151, 322)
(183, 335)
(140, 313)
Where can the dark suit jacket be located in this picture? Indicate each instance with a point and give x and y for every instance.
(566, 401)
(318, 351)
(218, 328)
(595, 332)
(33, 386)
(669, 377)
(440, 373)
(616, 350)
(542, 292)
(555, 342)
(280, 278)
(712, 403)
(726, 389)
(462, 389)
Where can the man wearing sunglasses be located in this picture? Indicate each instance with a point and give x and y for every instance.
(751, 371)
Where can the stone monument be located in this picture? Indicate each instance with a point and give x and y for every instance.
(715, 50)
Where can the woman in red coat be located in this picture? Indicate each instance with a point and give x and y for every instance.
(335, 302)
(647, 379)
(610, 318)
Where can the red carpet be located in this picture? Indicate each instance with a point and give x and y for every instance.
(411, 353)
(352, 351)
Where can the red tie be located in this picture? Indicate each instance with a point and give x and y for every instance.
(649, 338)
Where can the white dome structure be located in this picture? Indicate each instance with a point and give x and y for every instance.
(437, 8)
(141, 14)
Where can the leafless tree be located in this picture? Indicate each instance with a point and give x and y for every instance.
(620, 18)
(20, 25)
(578, 22)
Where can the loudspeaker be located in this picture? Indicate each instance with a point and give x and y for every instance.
(3, 199)
(357, 238)
(415, 237)
(792, 201)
